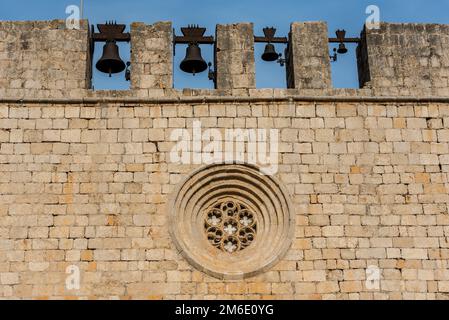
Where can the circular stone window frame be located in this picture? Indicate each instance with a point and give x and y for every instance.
(267, 198)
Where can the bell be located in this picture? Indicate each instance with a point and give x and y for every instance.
(270, 53)
(342, 48)
(110, 62)
(193, 62)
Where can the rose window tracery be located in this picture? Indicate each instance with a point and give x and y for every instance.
(230, 226)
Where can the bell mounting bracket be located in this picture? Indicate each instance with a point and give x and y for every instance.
(110, 31)
(269, 36)
(192, 34)
(341, 38)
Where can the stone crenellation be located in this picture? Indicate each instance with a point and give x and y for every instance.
(86, 179)
(44, 59)
(402, 59)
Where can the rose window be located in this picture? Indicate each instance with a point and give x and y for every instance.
(230, 221)
(230, 226)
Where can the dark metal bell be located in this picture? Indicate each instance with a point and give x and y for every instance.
(110, 62)
(193, 62)
(270, 53)
(342, 48)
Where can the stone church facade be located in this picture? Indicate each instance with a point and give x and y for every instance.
(356, 209)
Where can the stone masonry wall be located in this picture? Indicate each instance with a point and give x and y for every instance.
(405, 59)
(87, 185)
(85, 176)
(309, 63)
(234, 56)
(152, 56)
(43, 59)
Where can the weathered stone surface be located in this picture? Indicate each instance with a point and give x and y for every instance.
(308, 63)
(235, 56)
(43, 58)
(152, 56)
(85, 180)
(405, 59)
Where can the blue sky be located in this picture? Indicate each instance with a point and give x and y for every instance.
(346, 14)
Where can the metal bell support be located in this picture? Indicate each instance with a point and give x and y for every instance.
(110, 33)
(193, 62)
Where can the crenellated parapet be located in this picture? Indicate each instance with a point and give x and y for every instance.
(44, 59)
